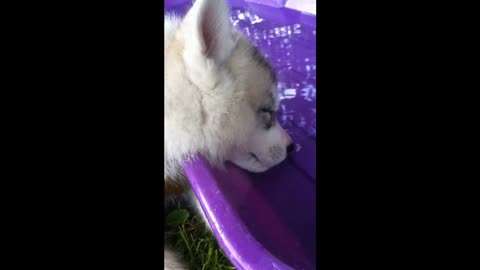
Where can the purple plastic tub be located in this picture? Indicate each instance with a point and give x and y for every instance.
(267, 221)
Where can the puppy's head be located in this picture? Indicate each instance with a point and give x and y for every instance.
(239, 94)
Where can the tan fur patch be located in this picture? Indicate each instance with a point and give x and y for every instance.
(174, 187)
(256, 82)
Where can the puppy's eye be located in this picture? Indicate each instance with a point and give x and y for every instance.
(266, 110)
(267, 117)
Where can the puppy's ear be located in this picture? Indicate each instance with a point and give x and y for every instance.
(209, 30)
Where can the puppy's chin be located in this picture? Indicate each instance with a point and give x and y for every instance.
(251, 167)
(251, 163)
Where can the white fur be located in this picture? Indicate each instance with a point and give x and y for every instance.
(172, 261)
(213, 91)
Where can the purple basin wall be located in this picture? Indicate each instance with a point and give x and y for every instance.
(267, 221)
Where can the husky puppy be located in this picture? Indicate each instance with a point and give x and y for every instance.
(220, 97)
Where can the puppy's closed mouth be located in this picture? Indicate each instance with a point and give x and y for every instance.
(257, 159)
(254, 156)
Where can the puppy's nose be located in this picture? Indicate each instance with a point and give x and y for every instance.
(290, 148)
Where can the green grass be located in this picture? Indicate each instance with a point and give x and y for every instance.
(189, 235)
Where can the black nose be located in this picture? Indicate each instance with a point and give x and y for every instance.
(290, 148)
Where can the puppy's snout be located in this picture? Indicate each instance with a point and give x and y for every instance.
(290, 148)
